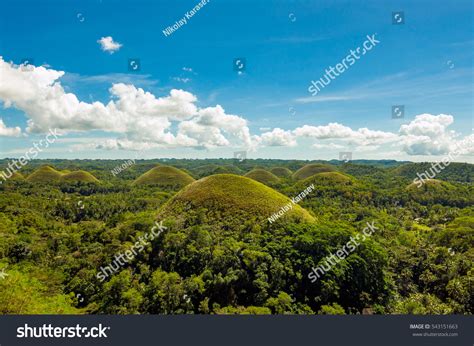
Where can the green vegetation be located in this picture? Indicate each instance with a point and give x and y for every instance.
(206, 170)
(262, 176)
(226, 199)
(45, 174)
(219, 254)
(165, 176)
(80, 176)
(312, 169)
(281, 172)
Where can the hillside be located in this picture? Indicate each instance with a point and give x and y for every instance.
(81, 176)
(263, 176)
(44, 174)
(312, 169)
(228, 198)
(281, 172)
(166, 176)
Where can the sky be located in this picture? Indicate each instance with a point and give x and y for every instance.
(235, 76)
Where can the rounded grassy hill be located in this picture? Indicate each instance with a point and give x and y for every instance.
(281, 172)
(262, 176)
(312, 169)
(17, 176)
(81, 176)
(229, 199)
(328, 178)
(211, 169)
(44, 174)
(430, 185)
(166, 176)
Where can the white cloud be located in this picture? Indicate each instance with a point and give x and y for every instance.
(428, 135)
(327, 146)
(362, 136)
(107, 44)
(277, 137)
(209, 127)
(142, 120)
(187, 69)
(138, 115)
(9, 131)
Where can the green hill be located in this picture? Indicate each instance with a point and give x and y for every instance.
(454, 172)
(228, 199)
(81, 176)
(44, 174)
(211, 169)
(263, 176)
(431, 186)
(281, 172)
(17, 176)
(328, 178)
(312, 169)
(165, 176)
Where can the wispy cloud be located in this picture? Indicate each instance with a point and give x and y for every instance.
(405, 85)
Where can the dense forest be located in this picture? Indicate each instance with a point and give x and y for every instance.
(62, 222)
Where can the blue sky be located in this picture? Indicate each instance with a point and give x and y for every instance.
(424, 64)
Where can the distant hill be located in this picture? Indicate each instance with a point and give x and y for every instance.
(81, 176)
(312, 169)
(44, 174)
(263, 176)
(165, 176)
(229, 200)
(328, 178)
(206, 170)
(281, 172)
(460, 172)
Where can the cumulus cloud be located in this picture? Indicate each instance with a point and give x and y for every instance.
(428, 134)
(210, 126)
(362, 136)
(142, 120)
(107, 44)
(277, 137)
(139, 115)
(9, 131)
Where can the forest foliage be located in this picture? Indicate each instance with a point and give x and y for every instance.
(220, 255)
